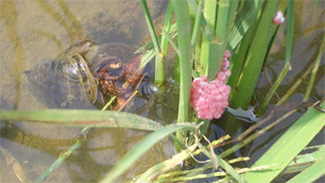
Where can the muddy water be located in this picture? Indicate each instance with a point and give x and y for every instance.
(32, 31)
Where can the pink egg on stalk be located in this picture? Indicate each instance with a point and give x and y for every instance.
(278, 18)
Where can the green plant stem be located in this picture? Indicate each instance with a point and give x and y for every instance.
(244, 21)
(283, 73)
(58, 161)
(166, 165)
(184, 45)
(217, 48)
(314, 72)
(255, 57)
(170, 40)
(239, 57)
(206, 53)
(197, 24)
(160, 64)
(167, 28)
(295, 86)
(185, 61)
(287, 67)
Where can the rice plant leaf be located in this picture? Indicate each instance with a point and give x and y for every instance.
(311, 174)
(217, 48)
(255, 58)
(166, 165)
(207, 55)
(167, 28)
(149, 48)
(197, 22)
(82, 118)
(184, 44)
(243, 22)
(303, 161)
(150, 25)
(59, 161)
(229, 169)
(289, 145)
(289, 32)
(170, 40)
(206, 29)
(315, 69)
(159, 65)
(143, 146)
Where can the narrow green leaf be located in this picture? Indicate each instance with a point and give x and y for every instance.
(170, 40)
(311, 174)
(233, 5)
(150, 25)
(217, 48)
(159, 65)
(288, 147)
(197, 23)
(239, 56)
(314, 72)
(208, 32)
(301, 162)
(208, 47)
(166, 165)
(167, 27)
(160, 62)
(59, 161)
(184, 45)
(244, 21)
(295, 85)
(255, 58)
(143, 146)
(229, 169)
(289, 27)
(78, 118)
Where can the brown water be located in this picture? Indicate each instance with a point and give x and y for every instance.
(31, 31)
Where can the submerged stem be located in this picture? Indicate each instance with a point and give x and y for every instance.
(314, 72)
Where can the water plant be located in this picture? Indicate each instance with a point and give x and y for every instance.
(205, 36)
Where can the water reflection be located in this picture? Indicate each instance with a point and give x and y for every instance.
(8, 14)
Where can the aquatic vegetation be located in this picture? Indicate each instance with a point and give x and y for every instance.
(204, 83)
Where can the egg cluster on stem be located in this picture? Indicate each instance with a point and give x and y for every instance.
(209, 99)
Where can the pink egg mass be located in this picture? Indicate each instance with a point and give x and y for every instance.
(278, 18)
(209, 99)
